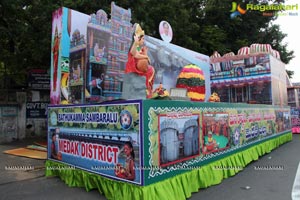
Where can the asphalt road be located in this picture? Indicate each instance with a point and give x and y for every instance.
(255, 184)
(251, 183)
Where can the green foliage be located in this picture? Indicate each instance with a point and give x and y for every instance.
(290, 73)
(200, 25)
(191, 82)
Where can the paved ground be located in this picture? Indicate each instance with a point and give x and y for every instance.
(32, 184)
(8, 175)
(248, 184)
(264, 184)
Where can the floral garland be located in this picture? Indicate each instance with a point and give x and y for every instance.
(192, 78)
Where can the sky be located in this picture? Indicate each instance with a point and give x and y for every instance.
(289, 25)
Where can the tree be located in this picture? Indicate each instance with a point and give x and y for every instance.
(273, 35)
(200, 25)
(290, 73)
(25, 36)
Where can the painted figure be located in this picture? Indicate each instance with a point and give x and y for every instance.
(97, 82)
(128, 171)
(165, 31)
(54, 152)
(76, 73)
(138, 60)
(55, 51)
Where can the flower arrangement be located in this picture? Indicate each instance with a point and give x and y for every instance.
(214, 97)
(192, 78)
(160, 93)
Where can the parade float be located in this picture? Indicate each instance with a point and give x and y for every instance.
(256, 75)
(295, 120)
(152, 134)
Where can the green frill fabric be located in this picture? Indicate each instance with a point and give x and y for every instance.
(178, 187)
(191, 81)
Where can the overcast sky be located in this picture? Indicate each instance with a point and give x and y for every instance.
(290, 25)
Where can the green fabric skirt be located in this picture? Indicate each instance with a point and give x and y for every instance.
(178, 187)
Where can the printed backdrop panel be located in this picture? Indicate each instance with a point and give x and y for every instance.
(103, 139)
(186, 135)
(295, 117)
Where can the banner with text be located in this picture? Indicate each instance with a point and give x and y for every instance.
(103, 139)
(184, 135)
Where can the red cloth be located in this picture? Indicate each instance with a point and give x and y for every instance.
(296, 130)
(131, 68)
(55, 61)
(53, 150)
